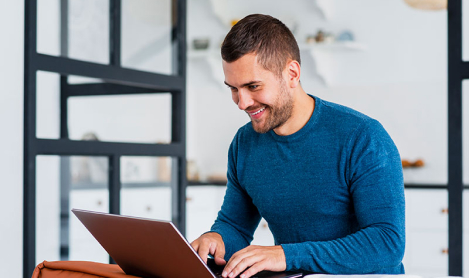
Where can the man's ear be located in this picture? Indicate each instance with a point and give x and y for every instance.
(293, 69)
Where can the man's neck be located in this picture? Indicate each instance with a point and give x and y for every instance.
(303, 107)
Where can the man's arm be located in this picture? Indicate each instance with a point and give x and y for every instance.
(238, 218)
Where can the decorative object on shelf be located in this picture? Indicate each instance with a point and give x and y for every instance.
(432, 5)
(319, 36)
(201, 43)
(323, 37)
(345, 36)
(310, 39)
(192, 171)
(89, 168)
(217, 178)
(164, 169)
(416, 164)
(233, 22)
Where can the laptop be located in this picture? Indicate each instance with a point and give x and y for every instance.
(152, 248)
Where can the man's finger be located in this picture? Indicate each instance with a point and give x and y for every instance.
(241, 265)
(234, 260)
(219, 255)
(255, 268)
(203, 251)
(195, 245)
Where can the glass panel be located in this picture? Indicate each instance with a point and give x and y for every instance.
(147, 26)
(142, 118)
(48, 238)
(88, 29)
(74, 79)
(48, 105)
(148, 185)
(48, 27)
(63, 183)
(465, 30)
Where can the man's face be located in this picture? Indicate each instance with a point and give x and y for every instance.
(264, 96)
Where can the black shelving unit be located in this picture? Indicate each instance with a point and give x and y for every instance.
(458, 70)
(117, 80)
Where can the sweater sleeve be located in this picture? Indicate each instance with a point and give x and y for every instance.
(375, 181)
(238, 218)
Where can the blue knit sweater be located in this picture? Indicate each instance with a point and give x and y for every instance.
(332, 193)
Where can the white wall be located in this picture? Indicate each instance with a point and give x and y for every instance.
(11, 140)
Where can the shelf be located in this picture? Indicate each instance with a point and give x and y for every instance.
(429, 186)
(89, 185)
(323, 56)
(334, 46)
(205, 183)
(203, 53)
(212, 58)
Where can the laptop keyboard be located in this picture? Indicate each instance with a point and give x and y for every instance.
(217, 270)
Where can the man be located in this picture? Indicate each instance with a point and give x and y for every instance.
(327, 179)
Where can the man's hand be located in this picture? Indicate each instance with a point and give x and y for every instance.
(257, 258)
(210, 243)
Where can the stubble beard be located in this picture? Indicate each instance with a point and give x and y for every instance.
(279, 113)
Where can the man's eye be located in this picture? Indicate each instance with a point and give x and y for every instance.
(253, 87)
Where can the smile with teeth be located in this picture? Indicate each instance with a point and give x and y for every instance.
(258, 111)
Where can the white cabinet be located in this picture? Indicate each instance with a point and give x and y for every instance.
(147, 202)
(426, 232)
(203, 204)
(82, 245)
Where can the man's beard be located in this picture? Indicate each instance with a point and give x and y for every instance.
(279, 113)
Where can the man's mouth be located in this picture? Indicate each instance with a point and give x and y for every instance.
(257, 112)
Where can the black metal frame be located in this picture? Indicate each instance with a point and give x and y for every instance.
(117, 80)
(457, 72)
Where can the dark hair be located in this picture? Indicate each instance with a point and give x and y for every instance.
(265, 36)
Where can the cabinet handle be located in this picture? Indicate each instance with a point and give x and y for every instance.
(188, 199)
(148, 208)
(99, 203)
(444, 211)
(444, 251)
(264, 225)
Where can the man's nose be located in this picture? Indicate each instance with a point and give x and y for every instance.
(244, 100)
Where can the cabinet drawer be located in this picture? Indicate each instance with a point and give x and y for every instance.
(427, 253)
(153, 203)
(426, 209)
(92, 199)
(202, 206)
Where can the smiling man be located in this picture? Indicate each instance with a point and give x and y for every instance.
(326, 178)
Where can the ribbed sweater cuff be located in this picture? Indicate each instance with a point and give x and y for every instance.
(292, 256)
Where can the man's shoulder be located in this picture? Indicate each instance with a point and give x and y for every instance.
(335, 110)
(341, 117)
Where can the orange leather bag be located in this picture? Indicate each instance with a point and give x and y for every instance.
(78, 269)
